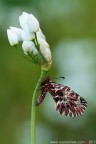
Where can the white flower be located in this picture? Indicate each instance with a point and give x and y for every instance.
(27, 36)
(45, 50)
(33, 24)
(43, 43)
(35, 52)
(12, 37)
(33, 46)
(29, 47)
(28, 22)
(23, 21)
(46, 53)
(17, 31)
(40, 35)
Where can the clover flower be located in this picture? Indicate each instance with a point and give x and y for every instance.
(12, 37)
(33, 40)
(29, 47)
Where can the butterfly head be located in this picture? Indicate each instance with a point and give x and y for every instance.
(46, 81)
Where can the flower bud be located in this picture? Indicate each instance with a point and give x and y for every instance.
(29, 47)
(23, 21)
(33, 24)
(40, 35)
(46, 52)
(43, 44)
(28, 22)
(12, 37)
(27, 36)
(17, 31)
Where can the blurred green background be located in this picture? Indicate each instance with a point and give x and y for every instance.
(70, 28)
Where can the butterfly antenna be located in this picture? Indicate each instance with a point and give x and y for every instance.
(60, 77)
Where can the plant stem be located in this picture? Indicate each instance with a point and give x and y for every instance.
(34, 98)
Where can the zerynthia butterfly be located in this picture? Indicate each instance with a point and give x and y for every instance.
(67, 101)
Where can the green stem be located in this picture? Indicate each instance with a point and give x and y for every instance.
(31, 60)
(34, 98)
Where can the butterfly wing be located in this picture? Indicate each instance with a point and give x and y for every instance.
(42, 96)
(67, 101)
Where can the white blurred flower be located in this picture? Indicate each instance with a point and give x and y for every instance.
(34, 41)
(43, 43)
(23, 21)
(27, 36)
(35, 52)
(28, 22)
(33, 24)
(40, 35)
(29, 47)
(45, 50)
(12, 37)
(17, 31)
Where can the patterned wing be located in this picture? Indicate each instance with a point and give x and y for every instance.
(67, 101)
(42, 96)
(44, 89)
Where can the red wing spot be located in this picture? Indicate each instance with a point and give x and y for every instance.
(65, 87)
(76, 96)
(77, 113)
(68, 89)
(71, 94)
(73, 109)
(66, 113)
(60, 99)
(62, 109)
(52, 92)
(51, 86)
(73, 103)
(59, 92)
(56, 99)
(82, 110)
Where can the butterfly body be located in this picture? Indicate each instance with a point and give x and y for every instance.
(67, 101)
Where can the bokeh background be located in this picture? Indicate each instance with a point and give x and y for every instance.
(70, 28)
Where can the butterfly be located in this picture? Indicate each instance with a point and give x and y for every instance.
(68, 102)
